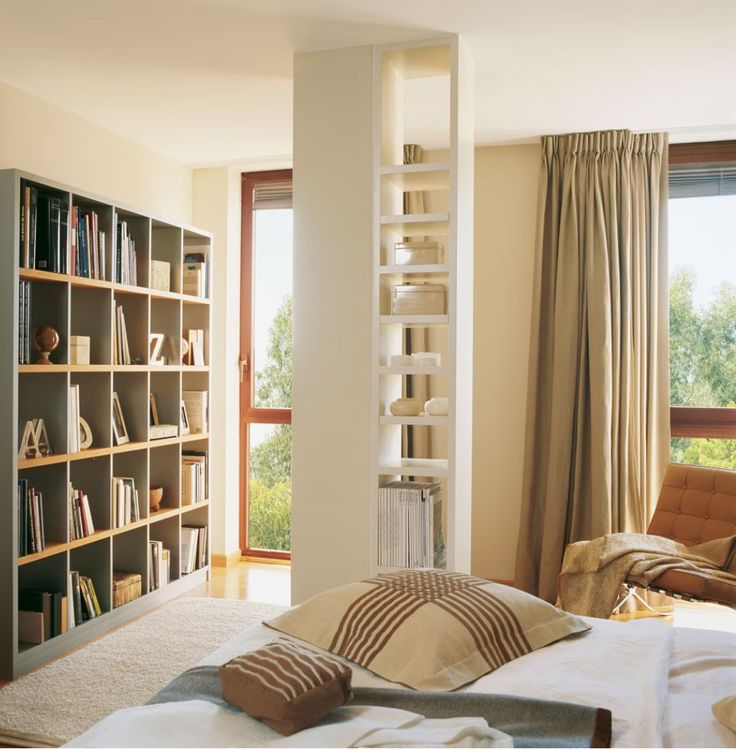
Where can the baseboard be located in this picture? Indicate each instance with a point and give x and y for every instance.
(226, 560)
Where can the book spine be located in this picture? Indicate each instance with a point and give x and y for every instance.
(64, 238)
(54, 258)
(32, 227)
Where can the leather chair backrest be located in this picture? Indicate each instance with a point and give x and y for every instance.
(696, 504)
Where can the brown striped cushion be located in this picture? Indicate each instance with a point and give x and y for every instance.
(428, 629)
(286, 686)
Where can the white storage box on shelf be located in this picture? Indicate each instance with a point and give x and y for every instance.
(419, 299)
(416, 252)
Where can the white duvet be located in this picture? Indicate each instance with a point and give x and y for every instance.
(659, 683)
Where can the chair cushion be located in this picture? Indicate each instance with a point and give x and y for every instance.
(697, 585)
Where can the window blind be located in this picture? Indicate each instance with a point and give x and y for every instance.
(694, 181)
(273, 194)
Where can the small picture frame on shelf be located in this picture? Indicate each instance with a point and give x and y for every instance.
(184, 426)
(119, 429)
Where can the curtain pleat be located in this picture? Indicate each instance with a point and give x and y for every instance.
(597, 436)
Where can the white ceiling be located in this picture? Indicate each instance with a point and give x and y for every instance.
(209, 81)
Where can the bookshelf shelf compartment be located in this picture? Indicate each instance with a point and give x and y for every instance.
(80, 306)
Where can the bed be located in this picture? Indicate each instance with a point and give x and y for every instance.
(658, 681)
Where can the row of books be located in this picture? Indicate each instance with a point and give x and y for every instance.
(195, 402)
(125, 505)
(31, 533)
(81, 524)
(44, 223)
(193, 477)
(121, 349)
(87, 251)
(406, 523)
(24, 322)
(159, 565)
(193, 548)
(195, 272)
(73, 436)
(125, 265)
(45, 614)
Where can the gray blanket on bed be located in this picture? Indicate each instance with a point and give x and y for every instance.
(531, 723)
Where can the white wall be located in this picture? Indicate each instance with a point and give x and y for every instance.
(505, 223)
(216, 207)
(44, 139)
(332, 321)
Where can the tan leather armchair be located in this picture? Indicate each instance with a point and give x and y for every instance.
(696, 504)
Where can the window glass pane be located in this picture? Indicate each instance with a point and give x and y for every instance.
(718, 453)
(269, 497)
(702, 261)
(272, 307)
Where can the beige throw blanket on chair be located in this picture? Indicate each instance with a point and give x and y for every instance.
(593, 571)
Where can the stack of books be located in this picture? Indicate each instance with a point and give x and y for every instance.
(24, 322)
(85, 604)
(193, 548)
(121, 349)
(406, 523)
(195, 402)
(125, 265)
(125, 505)
(73, 419)
(87, 247)
(195, 279)
(44, 223)
(159, 565)
(193, 477)
(41, 615)
(31, 533)
(81, 524)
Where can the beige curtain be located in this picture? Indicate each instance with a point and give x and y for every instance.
(597, 434)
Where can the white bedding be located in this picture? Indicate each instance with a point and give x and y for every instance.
(659, 682)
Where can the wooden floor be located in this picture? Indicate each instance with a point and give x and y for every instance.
(249, 581)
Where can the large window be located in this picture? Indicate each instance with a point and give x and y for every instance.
(702, 261)
(266, 337)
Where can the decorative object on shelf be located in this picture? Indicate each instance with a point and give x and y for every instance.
(195, 271)
(126, 587)
(155, 497)
(119, 429)
(426, 359)
(155, 344)
(85, 435)
(184, 418)
(79, 346)
(34, 442)
(154, 410)
(438, 406)
(46, 339)
(419, 299)
(160, 275)
(162, 431)
(184, 351)
(401, 360)
(416, 252)
(195, 402)
(406, 407)
(195, 340)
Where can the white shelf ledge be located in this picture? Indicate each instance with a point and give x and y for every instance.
(432, 467)
(415, 168)
(418, 224)
(410, 177)
(402, 270)
(414, 320)
(424, 421)
(412, 370)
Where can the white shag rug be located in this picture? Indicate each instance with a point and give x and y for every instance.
(57, 702)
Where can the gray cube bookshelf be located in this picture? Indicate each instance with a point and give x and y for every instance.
(77, 305)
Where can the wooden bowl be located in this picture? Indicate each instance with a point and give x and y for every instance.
(155, 496)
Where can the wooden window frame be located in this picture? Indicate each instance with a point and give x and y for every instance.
(248, 413)
(689, 421)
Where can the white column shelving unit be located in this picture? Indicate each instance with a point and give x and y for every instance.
(448, 184)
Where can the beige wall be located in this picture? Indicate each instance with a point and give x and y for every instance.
(505, 217)
(216, 207)
(41, 138)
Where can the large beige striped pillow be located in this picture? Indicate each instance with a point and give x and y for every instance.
(286, 686)
(428, 629)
